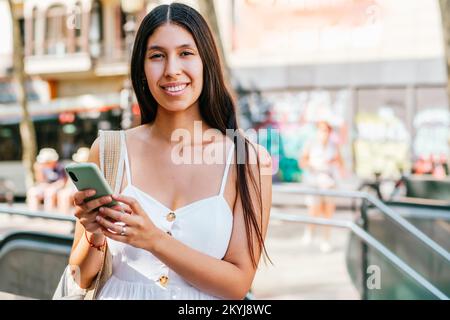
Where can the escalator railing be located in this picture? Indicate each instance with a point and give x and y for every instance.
(369, 240)
(31, 263)
(435, 270)
(384, 209)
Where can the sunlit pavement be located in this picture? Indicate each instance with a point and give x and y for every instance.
(303, 272)
(299, 271)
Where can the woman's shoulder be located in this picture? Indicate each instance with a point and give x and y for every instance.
(137, 133)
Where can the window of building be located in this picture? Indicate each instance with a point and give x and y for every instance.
(78, 19)
(96, 30)
(56, 30)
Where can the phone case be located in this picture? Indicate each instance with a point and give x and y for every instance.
(88, 176)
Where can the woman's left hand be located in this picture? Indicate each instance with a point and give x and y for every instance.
(140, 231)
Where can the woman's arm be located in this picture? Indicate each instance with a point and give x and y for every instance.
(83, 256)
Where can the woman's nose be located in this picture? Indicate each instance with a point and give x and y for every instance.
(173, 67)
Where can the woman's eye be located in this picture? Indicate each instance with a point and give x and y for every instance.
(156, 56)
(186, 53)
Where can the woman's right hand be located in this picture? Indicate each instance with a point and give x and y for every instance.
(87, 212)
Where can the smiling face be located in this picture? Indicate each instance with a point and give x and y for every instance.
(173, 68)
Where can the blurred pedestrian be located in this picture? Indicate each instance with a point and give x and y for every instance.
(50, 178)
(322, 162)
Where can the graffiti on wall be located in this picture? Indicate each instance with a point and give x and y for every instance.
(381, 144)
(294, 115)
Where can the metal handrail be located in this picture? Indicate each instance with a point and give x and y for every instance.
(36, 214)
(368, 239)
(378, 204)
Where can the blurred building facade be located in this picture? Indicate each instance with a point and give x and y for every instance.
(77, 63)
(373, 68)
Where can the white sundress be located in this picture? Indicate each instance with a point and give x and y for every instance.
(204, 225)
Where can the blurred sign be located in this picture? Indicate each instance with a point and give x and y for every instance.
(335, 30)
(305, 25)
(66, 117)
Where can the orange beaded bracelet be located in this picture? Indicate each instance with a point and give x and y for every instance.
(99, 248)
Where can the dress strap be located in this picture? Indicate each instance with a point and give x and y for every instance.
(125, 156)
(227, 168)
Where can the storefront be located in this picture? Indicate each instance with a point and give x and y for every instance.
(64, 124)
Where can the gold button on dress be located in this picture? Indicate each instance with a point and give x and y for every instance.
(163, 280)
(171, 216)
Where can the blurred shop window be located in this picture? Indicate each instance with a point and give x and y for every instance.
(8, 93)
(56, 30)
(96, 30)
(431, 123)
(121, 20)
(10, 144)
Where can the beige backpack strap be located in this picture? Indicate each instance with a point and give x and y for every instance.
(111, 158)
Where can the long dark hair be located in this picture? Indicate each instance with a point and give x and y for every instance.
(216, 104)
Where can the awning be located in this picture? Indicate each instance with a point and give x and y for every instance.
(12, 113)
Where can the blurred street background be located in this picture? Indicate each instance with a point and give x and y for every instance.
(374, 71)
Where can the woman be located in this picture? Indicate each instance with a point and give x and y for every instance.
(321, 159)
(194, 231)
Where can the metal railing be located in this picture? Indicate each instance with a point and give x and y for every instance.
(36, 214)
(384, 209)
(369, 240)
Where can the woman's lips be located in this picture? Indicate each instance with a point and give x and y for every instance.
(175, 90)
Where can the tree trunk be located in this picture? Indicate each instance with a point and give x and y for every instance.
(208, 10)
(27, 131)
(445, 17)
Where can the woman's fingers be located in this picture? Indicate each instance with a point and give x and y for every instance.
(79, 196)
(94, 204)
(109, 225)
(86, 221)
(116, 215)
(123, 208)
(114, 236)
(131, 202)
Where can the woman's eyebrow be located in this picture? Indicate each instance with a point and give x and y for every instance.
(156, 47)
